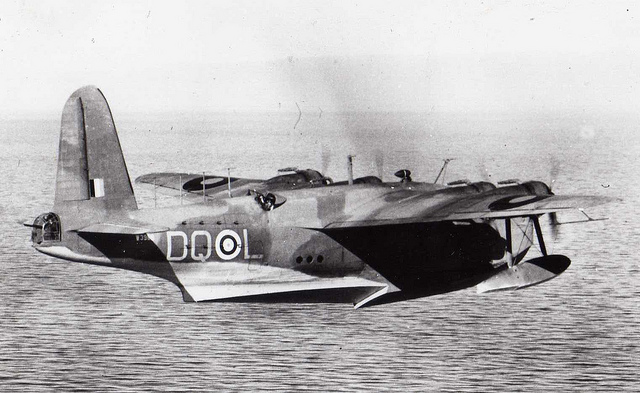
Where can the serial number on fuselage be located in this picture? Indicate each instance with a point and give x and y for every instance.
(201, 245)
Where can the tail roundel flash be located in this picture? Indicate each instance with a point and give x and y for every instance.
(92, 180)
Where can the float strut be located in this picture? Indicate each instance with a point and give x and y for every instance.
(536, 224)
(507, 230)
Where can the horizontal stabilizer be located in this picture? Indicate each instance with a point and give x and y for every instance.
(526, 274)
(121, 229)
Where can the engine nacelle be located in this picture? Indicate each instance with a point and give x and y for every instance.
(483, 186)
(537, 188)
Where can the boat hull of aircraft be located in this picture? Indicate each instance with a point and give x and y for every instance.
(297, 237)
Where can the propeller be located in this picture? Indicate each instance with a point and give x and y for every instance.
(485, 175)
(379, 159)
(554, 171)
(326, 160)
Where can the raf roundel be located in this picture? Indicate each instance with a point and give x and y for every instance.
(228, 244)
(512, 202)
(205, 182)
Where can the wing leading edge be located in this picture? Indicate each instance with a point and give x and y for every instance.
(505, 202)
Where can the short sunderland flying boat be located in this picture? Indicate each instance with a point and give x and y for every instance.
(298, 237)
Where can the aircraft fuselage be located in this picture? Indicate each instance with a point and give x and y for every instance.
(233, 240)
(297, 235)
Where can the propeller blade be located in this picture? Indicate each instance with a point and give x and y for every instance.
(326, 159)
(554, 172)
(379, 157)
(484, 172)
(554, 225)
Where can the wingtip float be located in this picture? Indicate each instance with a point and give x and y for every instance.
(297, 237)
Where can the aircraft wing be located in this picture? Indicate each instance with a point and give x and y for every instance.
(172, 181)
(191, 183)
(419, 207)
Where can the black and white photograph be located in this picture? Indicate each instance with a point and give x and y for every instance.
(319, 196)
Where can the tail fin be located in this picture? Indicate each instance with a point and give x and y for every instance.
(92, 180)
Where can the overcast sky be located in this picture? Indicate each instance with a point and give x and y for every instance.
(153, 56)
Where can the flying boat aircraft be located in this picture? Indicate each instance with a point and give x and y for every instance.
(297, 237)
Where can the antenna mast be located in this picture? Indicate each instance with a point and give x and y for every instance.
(442, 172)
